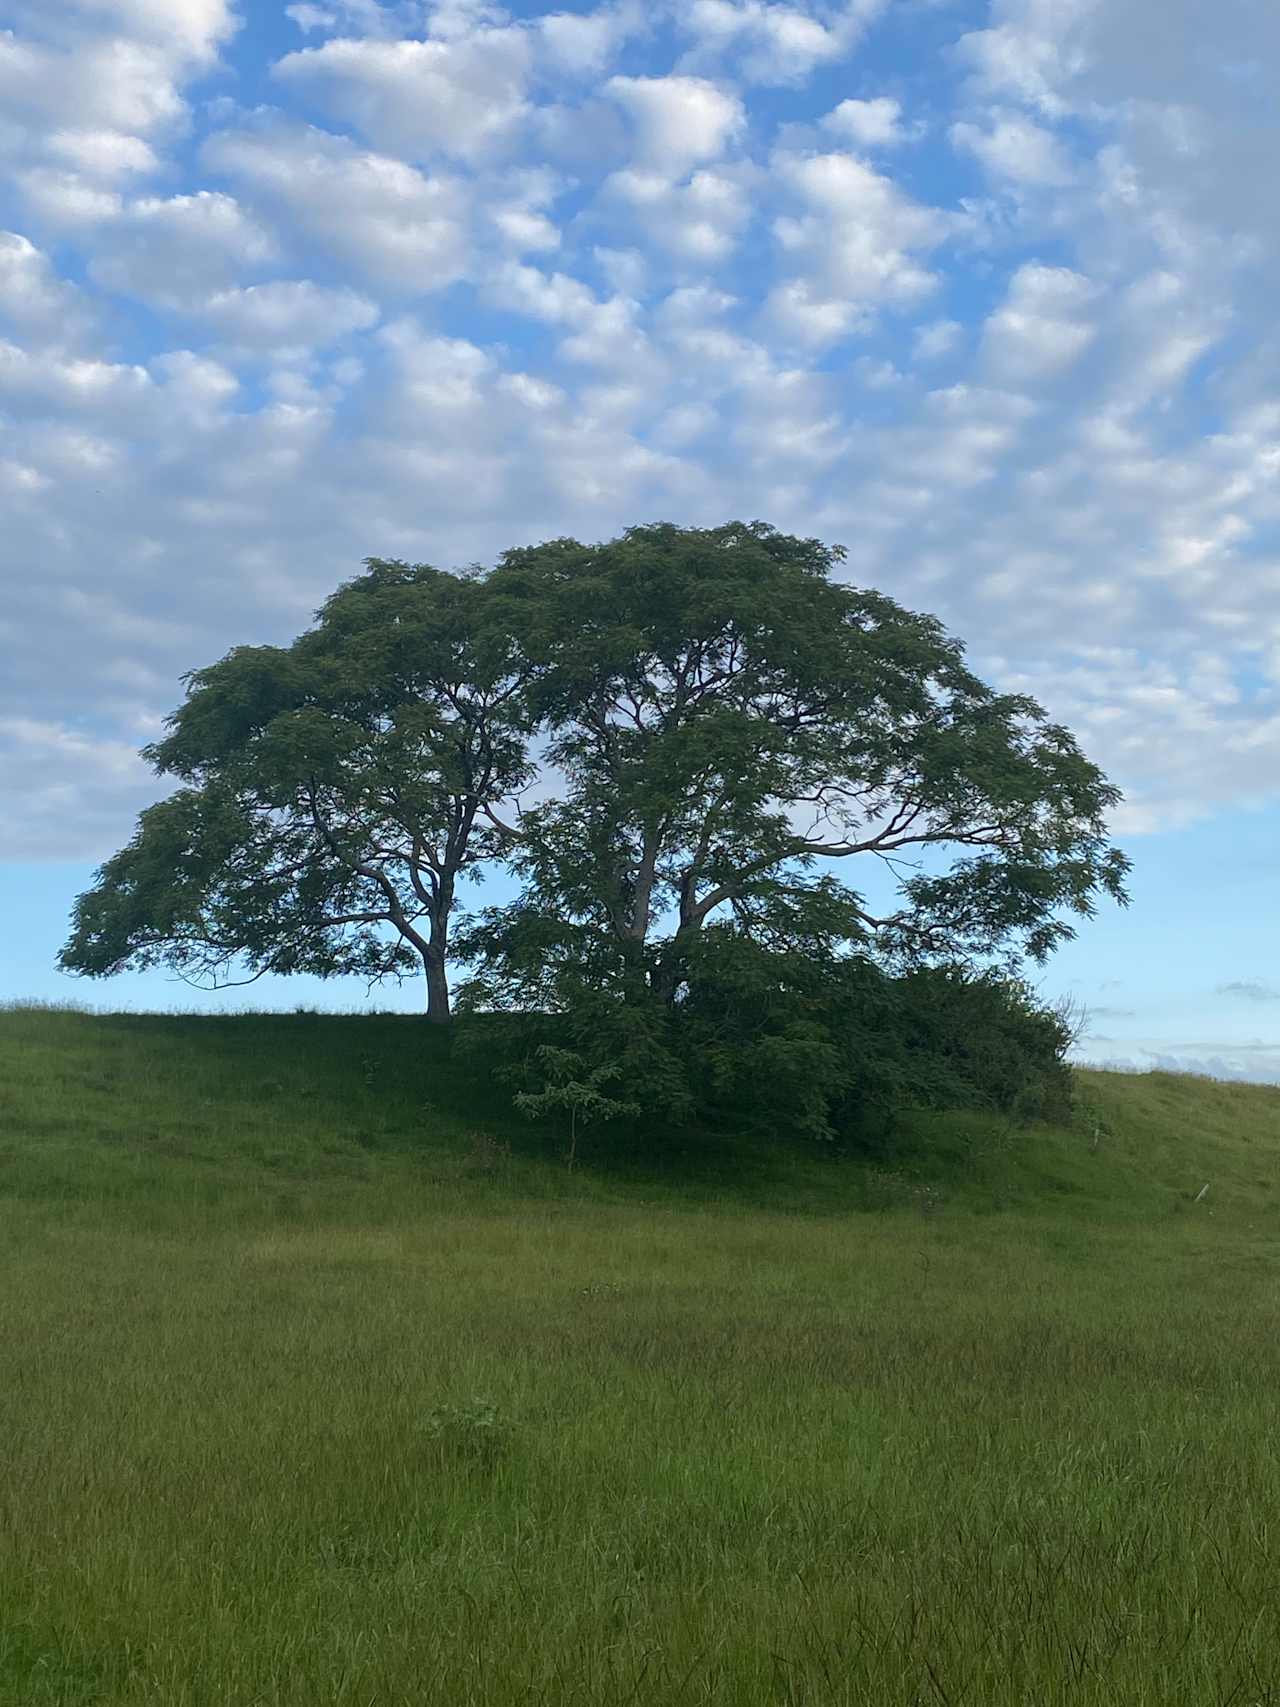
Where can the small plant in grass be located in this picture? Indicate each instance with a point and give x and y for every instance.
(486, 1153)
(1087, 1117)
(927, 1198)
(572, 1086)
(474, 1428)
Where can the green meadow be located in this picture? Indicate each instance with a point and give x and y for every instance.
(324, 1380)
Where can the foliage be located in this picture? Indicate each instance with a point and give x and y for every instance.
(769, 1043)
(979, 1040)
(337, 791)
(572, 1086)
(728, 720)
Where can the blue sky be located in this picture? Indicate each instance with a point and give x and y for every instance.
(983, 290)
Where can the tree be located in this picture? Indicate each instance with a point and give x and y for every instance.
(730, 725)
(570, 1086)
(722, 729)
(336, 791)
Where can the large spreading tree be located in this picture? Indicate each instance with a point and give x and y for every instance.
(710, 728)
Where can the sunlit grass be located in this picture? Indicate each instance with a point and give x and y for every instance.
(312, 1392)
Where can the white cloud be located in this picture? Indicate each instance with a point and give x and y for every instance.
(627, 270)
(77, 787)
(556, 298)
(936, 339)
(599, 332)
(309, 17)
(103, 154)
(860, 242)
(287, 314)
(33, 299)
(98, 81)
(775, 43)
(84, 385)
(1042, 328)
(192, 28)
(1249, 990)
(868, 124)
(463, 97)
(1015, 150)
(698, 221)
(195, 386)
(66, 200)
(174, 250)
(679, 121)
(580, 44)
(520, 212)
(962, 436)
(1029, 51)
(1186, 107)
(381, 218)
(1254, 1062)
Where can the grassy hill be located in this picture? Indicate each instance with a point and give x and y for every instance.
(322, 1380)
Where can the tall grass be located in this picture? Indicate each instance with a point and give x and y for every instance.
(323, 1381)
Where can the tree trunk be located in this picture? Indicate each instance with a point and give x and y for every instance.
(664, 981)
(437, 988)
(436, 954)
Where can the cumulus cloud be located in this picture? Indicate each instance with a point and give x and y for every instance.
(857, 244)
(1043, 326)
(94, 87)
(1015, 150)
(868, 124)
(83, 385)
(580, 44)
(310, 17)
(175, 249)
(521, 212)
(103, 154)
(34, 301)
(769, 42)
(698, 221)
(378, 216)
(463, 97)
(679, 121)
(1256, 1063)
(287, 314)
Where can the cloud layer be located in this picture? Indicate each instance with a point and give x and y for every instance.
(429, 280)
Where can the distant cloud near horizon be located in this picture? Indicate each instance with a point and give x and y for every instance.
(1240, 1064)
(1250, 990)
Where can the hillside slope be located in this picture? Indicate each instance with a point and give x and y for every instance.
(303, 1108)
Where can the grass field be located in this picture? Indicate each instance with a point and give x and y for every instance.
(323, 1381)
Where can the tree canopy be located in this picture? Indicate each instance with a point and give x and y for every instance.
(728, 722)
(680, 746)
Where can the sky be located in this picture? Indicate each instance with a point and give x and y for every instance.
(981, 289)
